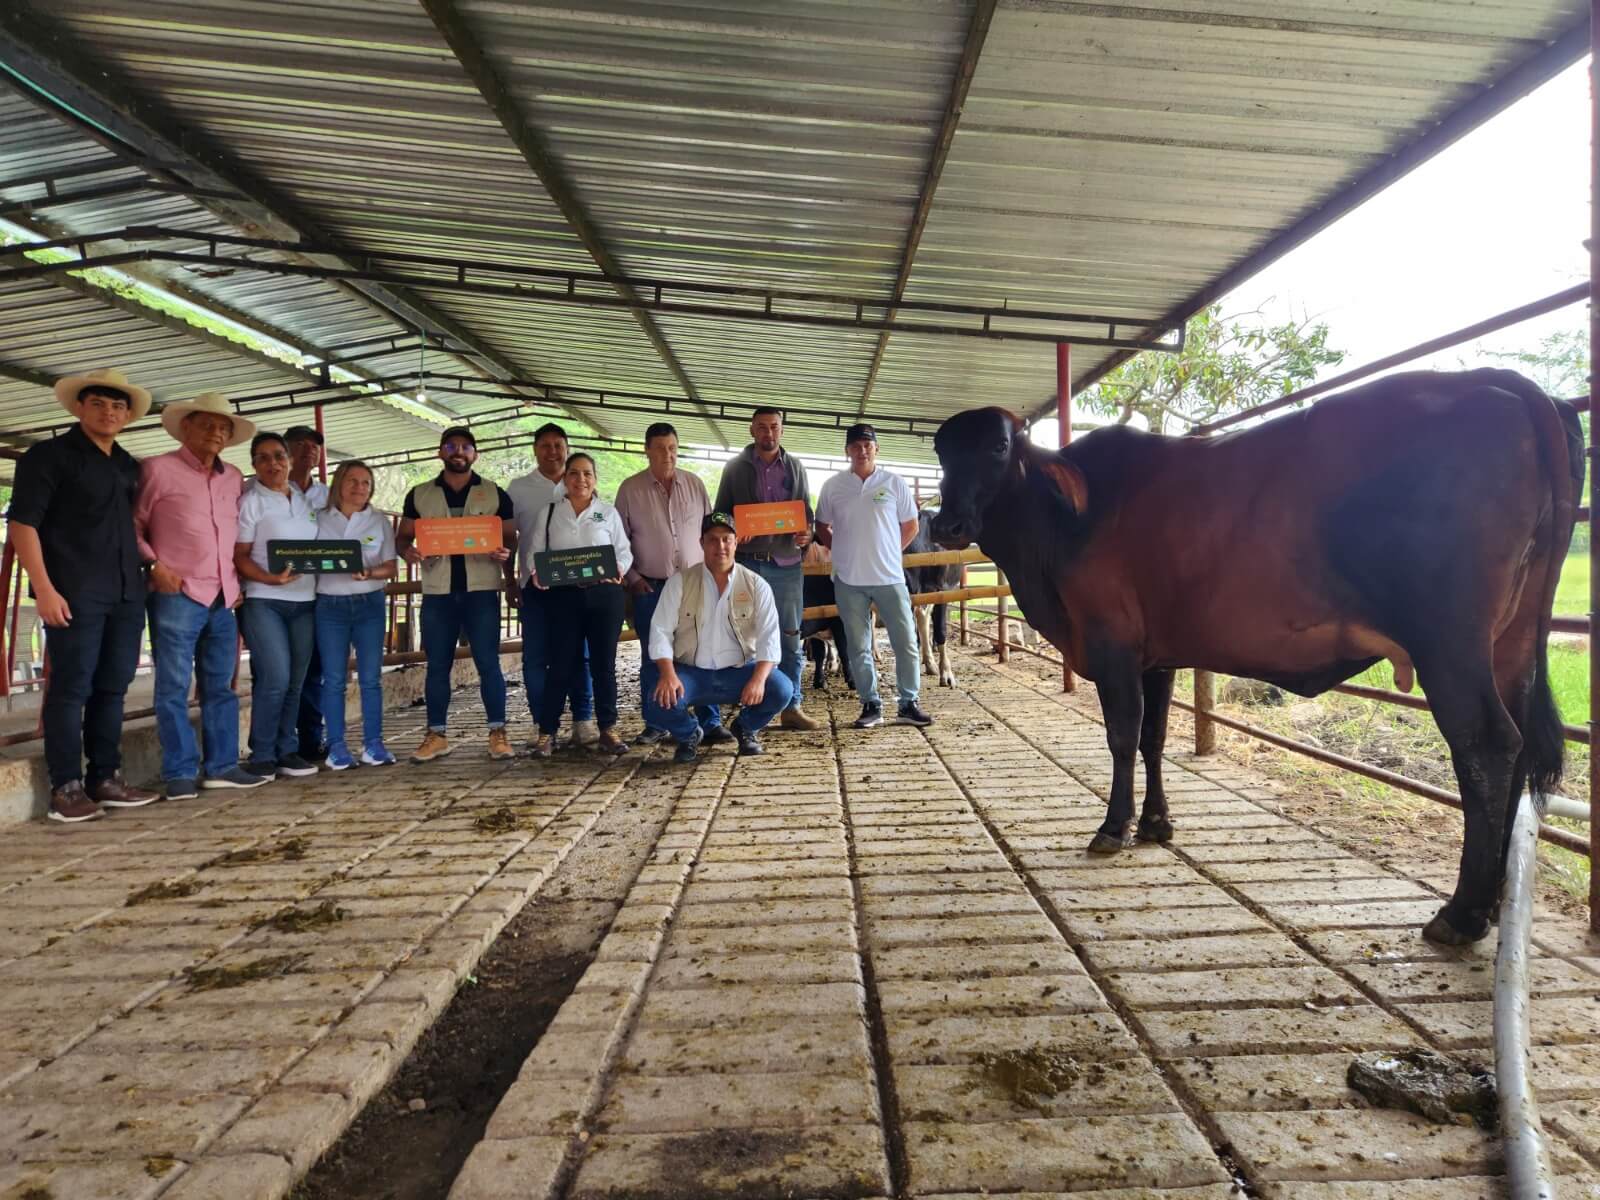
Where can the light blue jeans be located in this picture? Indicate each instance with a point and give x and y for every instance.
(894, 606)
(343, 622)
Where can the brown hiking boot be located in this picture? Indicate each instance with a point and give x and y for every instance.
(434, 745)
(70, 804)
(609, 743)
(795, 718)
(543, 746)
(500, 744)
(115, 792)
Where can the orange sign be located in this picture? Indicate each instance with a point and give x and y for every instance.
(457, 535)
(781, 516)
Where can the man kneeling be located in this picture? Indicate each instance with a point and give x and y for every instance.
(715, 639)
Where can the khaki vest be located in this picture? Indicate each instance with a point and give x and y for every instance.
(483, 573)
(741, 612)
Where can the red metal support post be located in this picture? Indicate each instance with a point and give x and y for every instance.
(1063, 436)
(322, 450)
(1594, 459)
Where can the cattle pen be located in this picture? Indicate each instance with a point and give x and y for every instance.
(868, 964)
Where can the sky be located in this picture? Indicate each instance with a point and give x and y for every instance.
(1493, 222)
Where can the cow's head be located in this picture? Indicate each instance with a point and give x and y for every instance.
(984, 453)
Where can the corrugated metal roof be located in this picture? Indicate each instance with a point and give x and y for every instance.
(1110, 156)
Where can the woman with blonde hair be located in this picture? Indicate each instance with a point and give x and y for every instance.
(350, 612)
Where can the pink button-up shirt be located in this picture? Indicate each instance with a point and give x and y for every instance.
(188, 518)
(663, 529)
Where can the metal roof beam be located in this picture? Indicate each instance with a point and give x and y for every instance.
(1456, 124)
(48, 68)
(977, 34)
(531, 144)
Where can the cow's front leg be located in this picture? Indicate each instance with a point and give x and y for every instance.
(1122, 705)
(1154, 824)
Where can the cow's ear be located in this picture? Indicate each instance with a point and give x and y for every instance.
(1069, 481)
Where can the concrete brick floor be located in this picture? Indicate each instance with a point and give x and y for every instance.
(799, 997)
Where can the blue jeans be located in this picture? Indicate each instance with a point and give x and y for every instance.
(536, 657)
(343, 622)
(190, 640)
(644, 610)
(92, 662)
(894, 606)
(702, 686)
(444, 619)
(788, 593)
(312, 735)
(279, 634)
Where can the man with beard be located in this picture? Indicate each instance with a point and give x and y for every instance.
(460, 592)
(762, 473)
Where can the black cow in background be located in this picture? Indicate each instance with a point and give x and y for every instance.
(931, 632)
(825, 634)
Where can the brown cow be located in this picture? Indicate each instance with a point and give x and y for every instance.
(1423, 518)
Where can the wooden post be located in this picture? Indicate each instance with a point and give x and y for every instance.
(1063, 436)
(1003, 646)
(1205, 699)
(963, 609)
(322, 450)
(8, 645)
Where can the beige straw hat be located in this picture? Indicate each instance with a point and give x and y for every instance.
(172, 416)
(68, 389)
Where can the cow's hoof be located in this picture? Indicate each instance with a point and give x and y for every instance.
(948, 681)
(1106, 843)
(1158, 830)
(1442, 931)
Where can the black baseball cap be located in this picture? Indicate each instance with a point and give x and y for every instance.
(716, 520)
(861, 433)
(296, 433)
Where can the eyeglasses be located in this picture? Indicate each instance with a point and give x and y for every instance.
(453, 447)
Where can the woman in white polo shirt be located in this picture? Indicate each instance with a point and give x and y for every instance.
(276, 617)
(586, 614)
(350, 613)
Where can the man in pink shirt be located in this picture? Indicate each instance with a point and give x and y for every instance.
(661, 508)
(187, 520)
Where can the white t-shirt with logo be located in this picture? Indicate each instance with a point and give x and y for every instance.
(866, 517)
(373, 530)
(269, 516)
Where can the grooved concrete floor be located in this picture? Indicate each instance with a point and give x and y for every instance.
(805, 993)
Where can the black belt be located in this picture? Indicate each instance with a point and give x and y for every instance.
(743, 556)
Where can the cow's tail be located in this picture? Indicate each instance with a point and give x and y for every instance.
(1562, 455)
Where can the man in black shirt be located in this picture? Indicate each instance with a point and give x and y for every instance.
(72, 524)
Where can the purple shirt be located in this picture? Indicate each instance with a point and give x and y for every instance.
(772, 484)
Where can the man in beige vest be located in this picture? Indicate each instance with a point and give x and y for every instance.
(460, 592)
(715, 640)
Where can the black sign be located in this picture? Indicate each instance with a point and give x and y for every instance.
(570, 568)
(315, 558)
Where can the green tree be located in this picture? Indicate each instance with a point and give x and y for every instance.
(1559, 363)
(1228, 363)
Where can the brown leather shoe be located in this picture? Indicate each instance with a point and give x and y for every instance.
(434, 745)
(795, 718)
(609, 743)
(70, 804)
(116, 792)
(500, 744)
